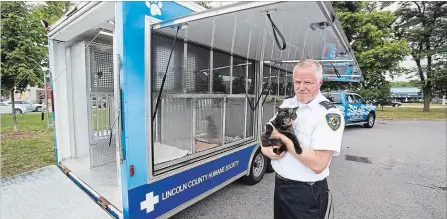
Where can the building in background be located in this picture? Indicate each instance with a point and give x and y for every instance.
(406, 94)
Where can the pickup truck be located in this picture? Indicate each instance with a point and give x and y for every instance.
(354, 108)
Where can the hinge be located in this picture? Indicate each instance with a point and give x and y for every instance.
(104, 203)
(64, 169)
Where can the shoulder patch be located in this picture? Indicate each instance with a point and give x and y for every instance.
(327, 104)
(333, 120)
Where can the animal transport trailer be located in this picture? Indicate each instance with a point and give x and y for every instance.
(159, 104)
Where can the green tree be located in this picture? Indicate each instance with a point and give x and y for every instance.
(423, 26)
(21, 51)
(24, 45)
(374, 44)
(50, 12)
(378, 96)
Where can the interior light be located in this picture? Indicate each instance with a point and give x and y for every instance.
(105, 33)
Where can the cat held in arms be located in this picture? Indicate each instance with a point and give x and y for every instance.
(283, 123)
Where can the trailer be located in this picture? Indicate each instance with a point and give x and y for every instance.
(159, 104)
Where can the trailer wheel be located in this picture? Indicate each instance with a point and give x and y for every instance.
(257, 169)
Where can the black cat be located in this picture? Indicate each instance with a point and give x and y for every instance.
(283, 123)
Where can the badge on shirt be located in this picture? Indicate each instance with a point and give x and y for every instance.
(333, 120)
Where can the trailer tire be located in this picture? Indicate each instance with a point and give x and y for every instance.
(258, 167)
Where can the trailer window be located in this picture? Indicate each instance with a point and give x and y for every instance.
(206, 104)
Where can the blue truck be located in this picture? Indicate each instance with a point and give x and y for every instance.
(354, 108)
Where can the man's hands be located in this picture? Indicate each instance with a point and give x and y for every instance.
(268, 151)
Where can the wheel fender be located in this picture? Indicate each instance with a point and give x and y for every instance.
(257, 147)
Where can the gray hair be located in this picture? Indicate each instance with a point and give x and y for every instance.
(310, 63)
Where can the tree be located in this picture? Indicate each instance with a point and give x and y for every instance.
(374, 44)
(21, 52)
(51, 12)
(378, 96)
(423, 26)
(24, 45)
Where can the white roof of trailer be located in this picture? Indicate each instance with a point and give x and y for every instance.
(244, 29)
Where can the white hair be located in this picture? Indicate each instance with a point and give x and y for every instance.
(310, 63)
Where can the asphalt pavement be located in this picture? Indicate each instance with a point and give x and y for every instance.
(405, 179)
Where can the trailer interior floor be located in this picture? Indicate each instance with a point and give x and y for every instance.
(102, 179)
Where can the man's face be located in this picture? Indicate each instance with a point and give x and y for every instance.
(306, 84)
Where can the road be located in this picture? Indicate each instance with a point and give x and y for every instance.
(406, 178)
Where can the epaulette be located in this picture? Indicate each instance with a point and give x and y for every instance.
(327, 104)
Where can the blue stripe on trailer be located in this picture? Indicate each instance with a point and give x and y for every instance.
(160, 197)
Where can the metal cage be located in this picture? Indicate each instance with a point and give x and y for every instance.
(100, 105)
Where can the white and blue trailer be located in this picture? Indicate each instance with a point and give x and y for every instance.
(159, 104)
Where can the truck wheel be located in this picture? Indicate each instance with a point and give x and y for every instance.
(18, 111)
(39, 109)
(257, 169)
(370, 121)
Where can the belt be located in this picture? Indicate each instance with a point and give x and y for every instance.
(295, 181)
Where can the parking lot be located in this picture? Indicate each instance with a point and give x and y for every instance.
(405, 179)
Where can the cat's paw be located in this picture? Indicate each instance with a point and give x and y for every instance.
(298, 149)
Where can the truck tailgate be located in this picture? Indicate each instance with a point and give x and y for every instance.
(46, 193)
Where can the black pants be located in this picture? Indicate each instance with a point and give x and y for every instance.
(300, 200)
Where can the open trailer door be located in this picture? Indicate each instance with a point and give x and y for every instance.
(278, 34)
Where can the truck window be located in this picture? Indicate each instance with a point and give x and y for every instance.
(359, 99)
(350, 98)
(334, 98)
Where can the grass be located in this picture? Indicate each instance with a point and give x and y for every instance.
(411, 113)
(28, 149)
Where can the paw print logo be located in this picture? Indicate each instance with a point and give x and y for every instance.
(155, 7)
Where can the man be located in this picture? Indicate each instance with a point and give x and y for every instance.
(301, 189)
